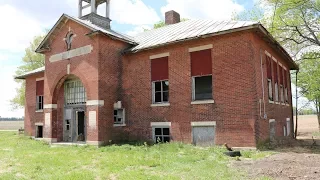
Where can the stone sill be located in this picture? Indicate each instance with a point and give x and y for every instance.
(160, 105)
(119, 125)
(39, 111)
(203, 102)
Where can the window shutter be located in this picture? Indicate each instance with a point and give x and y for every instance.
(39, 88)
(281, 74)
(201, 63)
(269, 70)
(159, 69)
(275, 72)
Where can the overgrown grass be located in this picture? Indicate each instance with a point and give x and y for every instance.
(23, 158)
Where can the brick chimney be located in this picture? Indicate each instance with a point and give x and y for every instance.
(172, 17)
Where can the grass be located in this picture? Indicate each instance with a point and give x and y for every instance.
(316, 134)
(23, 158)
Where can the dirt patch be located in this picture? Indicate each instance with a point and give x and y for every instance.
(283, 166)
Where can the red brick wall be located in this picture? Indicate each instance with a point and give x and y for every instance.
(235, 108)
(273, 111)
(31, 116)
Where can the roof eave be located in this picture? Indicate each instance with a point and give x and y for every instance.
(23, 77)
(294, 66)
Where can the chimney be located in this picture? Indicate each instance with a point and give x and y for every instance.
(102, 21)
(172, 17)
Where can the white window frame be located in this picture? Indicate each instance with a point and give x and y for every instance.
(194, 88)
(122, 123)
(161, 125)
(39, 103)
(288, 125)
(69, 100)
(162, 91)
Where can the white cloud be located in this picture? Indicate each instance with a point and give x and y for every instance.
(196, 9)
(138, 29)
(7, 93)
(17, 30)
(133, 12)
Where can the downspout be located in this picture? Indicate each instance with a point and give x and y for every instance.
(296, 128)
(263, 93)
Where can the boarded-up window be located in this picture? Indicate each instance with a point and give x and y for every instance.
(201, 63)
(269, 77)
(159, 69)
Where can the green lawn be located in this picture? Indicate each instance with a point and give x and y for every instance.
(23, 158)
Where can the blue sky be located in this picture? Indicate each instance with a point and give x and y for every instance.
(22, 20)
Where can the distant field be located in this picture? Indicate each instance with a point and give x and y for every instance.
(307, 126)
(11, 125)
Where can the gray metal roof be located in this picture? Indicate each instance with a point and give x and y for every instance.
(182, 31)
(103, 30)
(23, 76)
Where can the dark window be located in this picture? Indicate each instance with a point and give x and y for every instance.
(162, 135)
(118, 116)
(39, 105)
(202, 88)
(269, 77)
(39, 133)
(161, 92)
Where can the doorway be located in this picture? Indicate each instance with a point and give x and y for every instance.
(81, 126)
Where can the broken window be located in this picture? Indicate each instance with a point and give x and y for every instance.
(75, 93)
(118, 116)
(286, 86)
(39, 94)
(201, 71)
(269, 78)
(161, 134)
(160, 83)
(202, 88)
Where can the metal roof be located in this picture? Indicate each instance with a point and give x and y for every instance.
(23, 76)
(182, 31)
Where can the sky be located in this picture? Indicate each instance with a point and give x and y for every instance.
(21, 20)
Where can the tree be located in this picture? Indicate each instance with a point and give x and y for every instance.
(296, 24)
(309, 82)
(162, 23)
(30, 61)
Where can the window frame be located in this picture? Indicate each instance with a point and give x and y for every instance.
(39, 103)
(122, 123)
(161, 127)
(73, 95)
(194, 88)
(162, 92)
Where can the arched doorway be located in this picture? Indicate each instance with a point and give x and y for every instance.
(75, 98)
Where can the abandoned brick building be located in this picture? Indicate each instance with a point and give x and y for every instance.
(199, 81)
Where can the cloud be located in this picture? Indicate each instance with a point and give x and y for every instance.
(7, 93)
(18, 29)
(133, 12)
(138, 29)
(211, 9)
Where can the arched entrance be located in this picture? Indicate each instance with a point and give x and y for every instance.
(75, 98)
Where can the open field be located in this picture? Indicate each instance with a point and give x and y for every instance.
(23, 158)
(307, 126)
(11, 125)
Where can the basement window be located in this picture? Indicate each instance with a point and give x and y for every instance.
(118, 116)
(160, 91)
(39, 131)
(161, 134)
(202, 88)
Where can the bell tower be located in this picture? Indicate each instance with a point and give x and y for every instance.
(101, 21)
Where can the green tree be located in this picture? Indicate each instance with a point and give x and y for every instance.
(162, 23)
(30, 61)
(309, 81)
